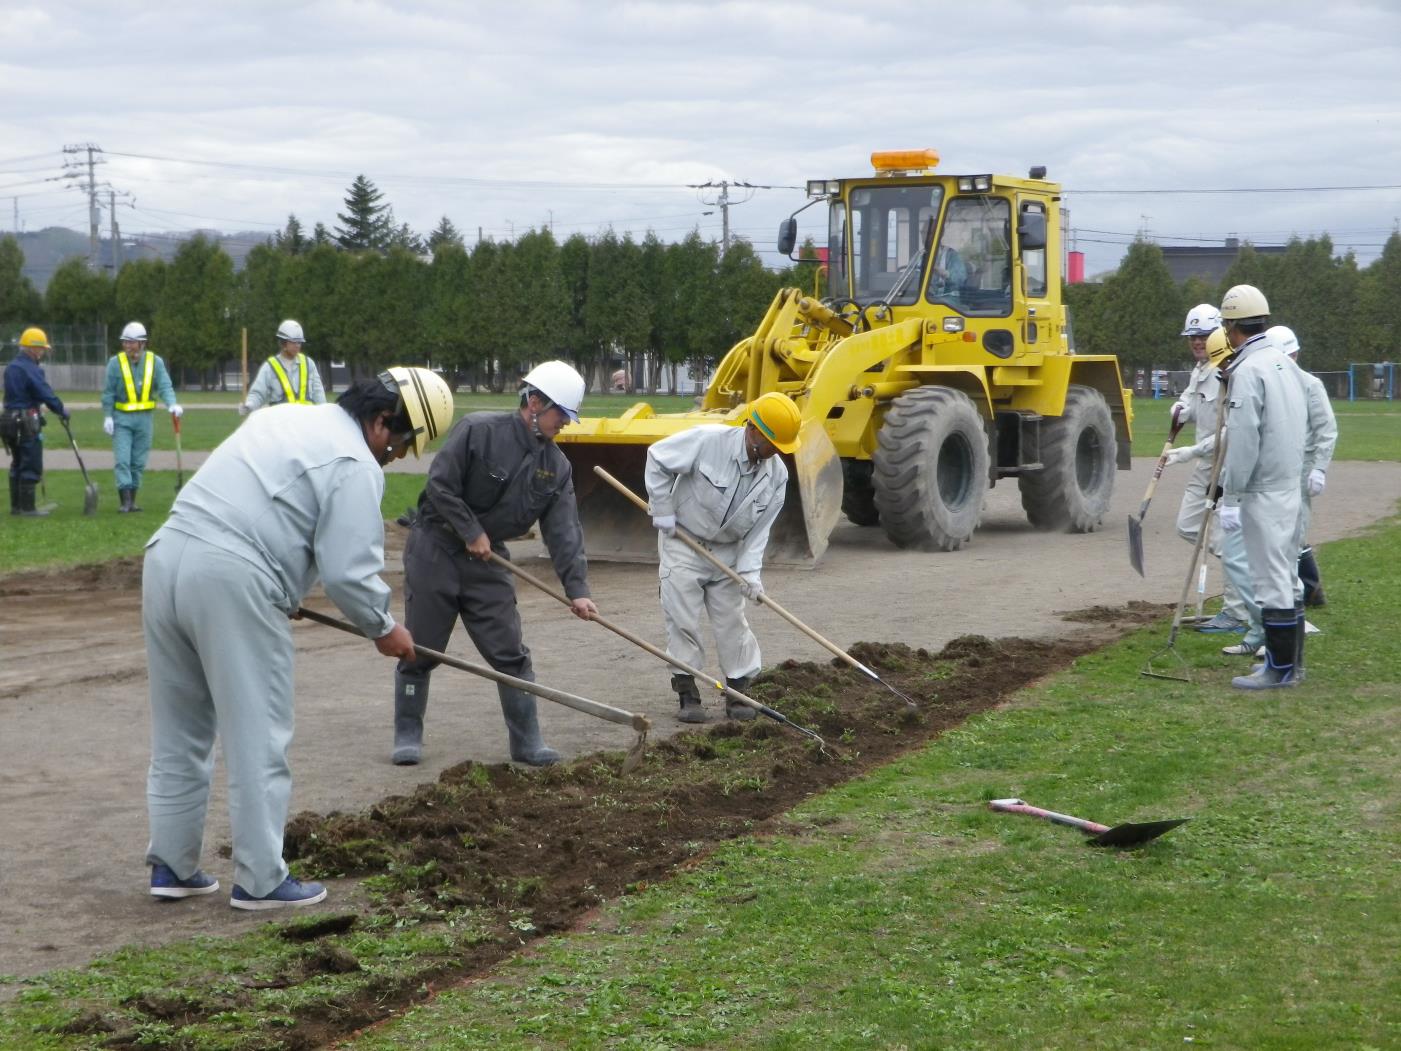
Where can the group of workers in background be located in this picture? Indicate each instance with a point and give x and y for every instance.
(1276, 444)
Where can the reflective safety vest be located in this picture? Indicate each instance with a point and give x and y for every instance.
(133, 403)
(300, 397)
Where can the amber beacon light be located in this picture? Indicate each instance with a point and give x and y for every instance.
(904, 160)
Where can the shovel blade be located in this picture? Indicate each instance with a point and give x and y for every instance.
(90, 500)
(1136, 544)
(1135, 833)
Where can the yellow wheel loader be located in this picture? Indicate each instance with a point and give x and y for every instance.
(939, 361)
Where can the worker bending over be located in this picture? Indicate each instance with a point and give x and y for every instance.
(725, 486)
(136, 379)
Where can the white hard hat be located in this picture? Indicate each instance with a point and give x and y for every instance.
(291, 332)
(134, 330)
(1283, 337)
(560, 383)
(427, 399)
(1202, 320)
(1243, 302)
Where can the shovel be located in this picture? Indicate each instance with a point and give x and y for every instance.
(1129, 834)
(179, 460)
(1136, 521)
(89, 489)
(764, 599)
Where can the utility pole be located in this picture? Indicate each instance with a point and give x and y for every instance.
(116, 233)
(721, 192)
(90, 188)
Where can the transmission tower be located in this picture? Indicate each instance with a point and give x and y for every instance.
(87, 184)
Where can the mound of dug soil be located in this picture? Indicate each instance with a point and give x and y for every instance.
(508, 855)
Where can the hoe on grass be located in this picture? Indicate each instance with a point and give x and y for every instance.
(1129, 834)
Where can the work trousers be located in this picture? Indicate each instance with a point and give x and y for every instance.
(1190, 515)
(1270, 522)
(1236, 565)
(219, 655)
(690, 585)
(443, 583)
(131, 446)
(27, 460)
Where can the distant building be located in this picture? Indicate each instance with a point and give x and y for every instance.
(1208, 262)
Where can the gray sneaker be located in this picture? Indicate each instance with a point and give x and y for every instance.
(1222, 624)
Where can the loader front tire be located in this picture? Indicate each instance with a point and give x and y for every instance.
(931, 469)
(1072, 490)
(859, 493)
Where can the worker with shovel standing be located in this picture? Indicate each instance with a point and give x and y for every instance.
(1198, 405)
(291, 495)
(136, 378)
(725, 486)
(497, 474)
(27, 393)
(1261, 468)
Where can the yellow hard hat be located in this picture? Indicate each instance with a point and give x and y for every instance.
(777, 419)
(427, 399)
(34, 337)
(1218, 348)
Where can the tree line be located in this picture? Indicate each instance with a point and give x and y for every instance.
(372, 292)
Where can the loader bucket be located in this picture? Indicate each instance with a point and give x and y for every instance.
(617, 531)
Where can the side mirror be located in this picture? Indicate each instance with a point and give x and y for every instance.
(787, 236)
(1031, 231)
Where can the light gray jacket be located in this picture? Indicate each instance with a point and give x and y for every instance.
(703, 477)
(1201, 404)
(1266, 422)
(266, 388)
(1322, 426)
(295, 492)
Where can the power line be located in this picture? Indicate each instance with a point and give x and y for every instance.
(1240, 189)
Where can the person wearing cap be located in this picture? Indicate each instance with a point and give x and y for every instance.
(1261, 467)
(496, 475)
(27, 394)
(287, 376)
(1199, 405)
(290, 497)
(725, 486)
(136, 378)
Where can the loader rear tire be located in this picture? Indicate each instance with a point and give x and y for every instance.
(1072, 490)
(859, 493)
(931, 469)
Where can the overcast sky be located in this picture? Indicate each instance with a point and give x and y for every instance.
(507, 116)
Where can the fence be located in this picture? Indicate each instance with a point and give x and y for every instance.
(77, 359)
(1372, 380)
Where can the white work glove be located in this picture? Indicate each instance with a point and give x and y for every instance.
(177, 411)
(1317, 480)
(1230, 519)
(665, 524)
(109, 425)
(753, 587)
(1177, 456)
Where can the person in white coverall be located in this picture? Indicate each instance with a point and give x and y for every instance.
(1266, 423)
(291, 495)
(288, 376)
(725, 486)
(1199, 404)
(1318, 457)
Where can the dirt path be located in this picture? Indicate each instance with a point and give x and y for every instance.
(73, 713)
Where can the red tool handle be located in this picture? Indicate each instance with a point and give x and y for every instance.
(1016, 806)
(175, 422)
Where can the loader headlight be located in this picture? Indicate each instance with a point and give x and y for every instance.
(974, 183)
(953, 324)
(824, 187)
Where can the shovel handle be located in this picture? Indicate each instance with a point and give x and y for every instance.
(763, 600)
(1016, 806)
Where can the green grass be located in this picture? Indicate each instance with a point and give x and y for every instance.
(899, 912)
(204, 428)
(1367, 430)
(67, 538)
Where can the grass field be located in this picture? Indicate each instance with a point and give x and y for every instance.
(898, 912)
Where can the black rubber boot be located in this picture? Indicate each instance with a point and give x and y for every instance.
(14, 495)
(523, 728)
(124, 496)
(410, 702)
(26, 503)
(735, 709)
(1299, 632)
(684, 686)
(131, 500)
(1282, 628)
(1311, 579)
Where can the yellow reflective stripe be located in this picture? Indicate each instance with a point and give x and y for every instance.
(133, 403)
(300, 397)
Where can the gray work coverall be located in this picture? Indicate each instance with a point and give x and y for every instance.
(492, 476)
(1318, 446)
(1266, 424)
(267, 389)
(292, 494)
(704, 477)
